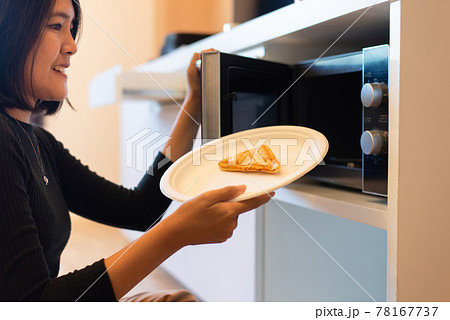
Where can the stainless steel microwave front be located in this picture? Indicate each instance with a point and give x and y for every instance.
(240, 93)
(211, 96)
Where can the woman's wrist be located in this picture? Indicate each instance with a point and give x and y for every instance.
(173, 233)
(193, 98)
(192, 105)
(129, 266)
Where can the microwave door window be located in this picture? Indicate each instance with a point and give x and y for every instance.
(251, 110)
(254, 94)
(332, 105)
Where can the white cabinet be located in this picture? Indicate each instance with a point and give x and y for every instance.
(309, 255)
(215, 272)
(394, 248)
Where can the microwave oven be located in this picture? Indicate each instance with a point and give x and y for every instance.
(345, 97)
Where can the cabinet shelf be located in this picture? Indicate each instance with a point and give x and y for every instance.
(344, 203)
(310, 25)
(297, 32)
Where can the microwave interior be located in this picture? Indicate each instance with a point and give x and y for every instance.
(322, 95)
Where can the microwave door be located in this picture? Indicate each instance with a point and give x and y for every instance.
(328, 100)
(240, 93)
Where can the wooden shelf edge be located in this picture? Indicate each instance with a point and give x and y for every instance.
(264, 29)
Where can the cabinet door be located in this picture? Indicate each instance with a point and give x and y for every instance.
(320, 257)
(222, 272)
(213, 272)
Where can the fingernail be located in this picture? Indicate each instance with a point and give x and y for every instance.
(241, 188)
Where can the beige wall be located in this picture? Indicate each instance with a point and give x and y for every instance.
(423, 261)
(195, 16)
(139, 26)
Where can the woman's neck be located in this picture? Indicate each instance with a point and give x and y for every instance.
(18, 114)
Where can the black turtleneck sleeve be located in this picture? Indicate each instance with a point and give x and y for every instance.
(98, 199)
(35, 221)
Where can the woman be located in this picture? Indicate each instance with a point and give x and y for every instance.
(41, 181)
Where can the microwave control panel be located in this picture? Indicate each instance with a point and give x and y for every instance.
(374, 138)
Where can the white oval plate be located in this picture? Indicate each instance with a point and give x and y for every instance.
(298, 149)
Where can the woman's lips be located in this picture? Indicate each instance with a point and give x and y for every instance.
(60, 70)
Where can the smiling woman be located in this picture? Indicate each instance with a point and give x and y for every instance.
(45, 75)
(41, 181)
(22, 44)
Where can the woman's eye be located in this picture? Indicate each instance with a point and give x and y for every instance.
(56, 26)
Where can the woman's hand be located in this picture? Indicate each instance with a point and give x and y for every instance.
(212, 217)
(208, 218)
(193, 77)
(188, 120)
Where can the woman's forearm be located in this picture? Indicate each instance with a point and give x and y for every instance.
(184, 130)
(188, 121)
(133, 263)
(208, 218)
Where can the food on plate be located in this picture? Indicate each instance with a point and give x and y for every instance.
(259, 159)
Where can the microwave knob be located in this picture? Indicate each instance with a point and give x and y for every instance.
(372, 94)
(373, 142)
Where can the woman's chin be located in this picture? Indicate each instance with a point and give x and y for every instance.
(56, 98)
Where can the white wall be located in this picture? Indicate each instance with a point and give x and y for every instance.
(121, 32)
(93, 134)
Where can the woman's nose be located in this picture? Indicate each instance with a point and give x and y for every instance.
(69, 47)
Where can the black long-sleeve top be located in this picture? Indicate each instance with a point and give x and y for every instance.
(35, 222)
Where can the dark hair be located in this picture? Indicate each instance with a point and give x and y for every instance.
(22, 24)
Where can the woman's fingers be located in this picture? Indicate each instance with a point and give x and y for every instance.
(232, 192)
(250, 204)
(197, 55)
(223, 194)
(208, 50)
(212, 217)
(194, 58)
